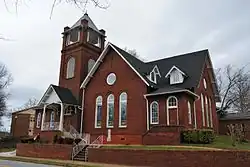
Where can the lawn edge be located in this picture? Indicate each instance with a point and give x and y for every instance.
(45, 161)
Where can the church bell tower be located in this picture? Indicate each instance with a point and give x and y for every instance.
(82, 45)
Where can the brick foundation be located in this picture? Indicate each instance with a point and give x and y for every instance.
(170, 158)
(51, 151)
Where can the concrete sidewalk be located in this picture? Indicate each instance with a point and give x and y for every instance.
(61, 162)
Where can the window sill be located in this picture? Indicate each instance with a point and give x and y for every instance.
(110, 127)
(156, 123)
(98, 127)
(123, 127)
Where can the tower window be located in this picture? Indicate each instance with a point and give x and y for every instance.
(91, 63)
(94, 38)
(73, 37)
(70, 68)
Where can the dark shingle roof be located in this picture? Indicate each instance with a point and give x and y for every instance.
(236, 116)
(90, 23)
(65, 95)
(191, 64)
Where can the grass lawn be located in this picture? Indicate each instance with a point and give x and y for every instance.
(224, 142)
(7, 149)
(221, 142)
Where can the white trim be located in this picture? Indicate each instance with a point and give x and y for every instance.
(151, 118)
(211, 113)
(195, 121)
(120, 118)
(46, 94)
(107, 117)
(96, 114)
(99, 60)
(83, 96)
(155, 74)
(61, 118)
(147, 113)
(172, 107)
(169, 92)
(207, 111)
(174, 67)
(189, 113)
(202, 110)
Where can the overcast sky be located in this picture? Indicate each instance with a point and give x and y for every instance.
(156, 29)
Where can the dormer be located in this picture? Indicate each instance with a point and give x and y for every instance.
(154, 74)
(176, 75)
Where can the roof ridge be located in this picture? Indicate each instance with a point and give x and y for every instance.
(127, 52)
(179, 55)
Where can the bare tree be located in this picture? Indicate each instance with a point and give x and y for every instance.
(134, 53)
(5, 81)
(81, 4)
(241, 93)
(233, 85)
(30, 103)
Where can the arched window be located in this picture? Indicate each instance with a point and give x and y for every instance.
(38, 120)
(110, 111)
(211, 113)
(154, 113)
(91, 63)
(123, 109)
(70, 68)
(98, 112)
(172, 102)
(202, 110)
(189, 113)
(207, 111)
(52, 119)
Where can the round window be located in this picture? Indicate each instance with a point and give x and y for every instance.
(111, 78)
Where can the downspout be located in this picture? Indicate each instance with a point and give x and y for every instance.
(83, 92)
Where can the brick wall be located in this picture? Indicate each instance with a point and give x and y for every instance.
(162, 135)
(171, 158)
(126, 81)
(207, 74)
(52, 151)
(166, 138)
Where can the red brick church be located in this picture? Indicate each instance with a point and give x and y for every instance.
(105, 91)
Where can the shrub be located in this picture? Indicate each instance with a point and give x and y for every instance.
(199, 136)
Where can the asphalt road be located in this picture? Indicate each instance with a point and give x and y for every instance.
(5, 163)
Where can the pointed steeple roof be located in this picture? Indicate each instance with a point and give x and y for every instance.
(90, 22)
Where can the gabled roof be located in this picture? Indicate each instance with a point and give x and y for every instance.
(190, 64)
(90, 23)
(61, 94)
(65, 95)
(134, 63)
